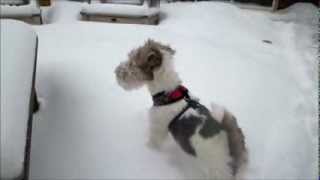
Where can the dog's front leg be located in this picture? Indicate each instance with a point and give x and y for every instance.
(158, 134)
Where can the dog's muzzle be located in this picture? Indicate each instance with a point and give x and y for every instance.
(129, 77)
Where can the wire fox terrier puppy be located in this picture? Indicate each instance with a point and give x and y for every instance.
(213, 137)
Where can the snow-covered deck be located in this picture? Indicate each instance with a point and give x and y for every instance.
(89, 128)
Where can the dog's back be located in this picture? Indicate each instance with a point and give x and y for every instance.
(194, 119)
(197, 124)
(202, 136)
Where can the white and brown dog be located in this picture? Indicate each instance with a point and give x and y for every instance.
(213, 136)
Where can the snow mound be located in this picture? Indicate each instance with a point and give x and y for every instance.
(300, 13)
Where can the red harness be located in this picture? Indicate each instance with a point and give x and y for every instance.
(165, 98)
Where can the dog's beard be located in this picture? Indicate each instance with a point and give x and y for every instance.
(129, 85)
(129, 78)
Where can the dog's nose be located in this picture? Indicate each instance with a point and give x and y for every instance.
(120, 72)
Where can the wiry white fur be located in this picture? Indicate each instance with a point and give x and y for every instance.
(165, 77)
(160, 117)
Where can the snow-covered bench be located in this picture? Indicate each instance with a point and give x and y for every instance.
(26, 10)
(18, 98)
(123, 11)
(14, 2)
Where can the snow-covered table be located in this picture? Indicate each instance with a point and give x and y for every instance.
(30, 12)
(18, 99)
(146, 13)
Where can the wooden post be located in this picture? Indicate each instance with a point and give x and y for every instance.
(275, 5)
(44, 2)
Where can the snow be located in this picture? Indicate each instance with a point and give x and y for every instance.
(90, 128)
(120, 9)
(17, 67)
(17, 11)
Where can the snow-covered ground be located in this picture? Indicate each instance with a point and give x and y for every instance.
(90, 128)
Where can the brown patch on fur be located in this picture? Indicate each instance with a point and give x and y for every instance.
(236, 141)
(149, 57)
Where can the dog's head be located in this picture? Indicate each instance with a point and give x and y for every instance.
(142, 64)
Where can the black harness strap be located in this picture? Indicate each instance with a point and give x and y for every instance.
(190, 103)
(180, 93)
(183, 127)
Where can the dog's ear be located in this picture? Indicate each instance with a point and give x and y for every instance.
(160, 46)
(168, 49)
(154, 59)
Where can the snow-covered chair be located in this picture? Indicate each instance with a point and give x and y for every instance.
(25, 10)
(123, 11)
(18, 98)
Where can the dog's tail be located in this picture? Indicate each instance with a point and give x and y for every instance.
(236, 139)
(217, 112)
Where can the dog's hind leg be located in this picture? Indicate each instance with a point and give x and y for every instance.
(220, 170)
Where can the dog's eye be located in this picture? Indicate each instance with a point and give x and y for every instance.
(151, 57)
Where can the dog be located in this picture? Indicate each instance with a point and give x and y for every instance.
(212, 137)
